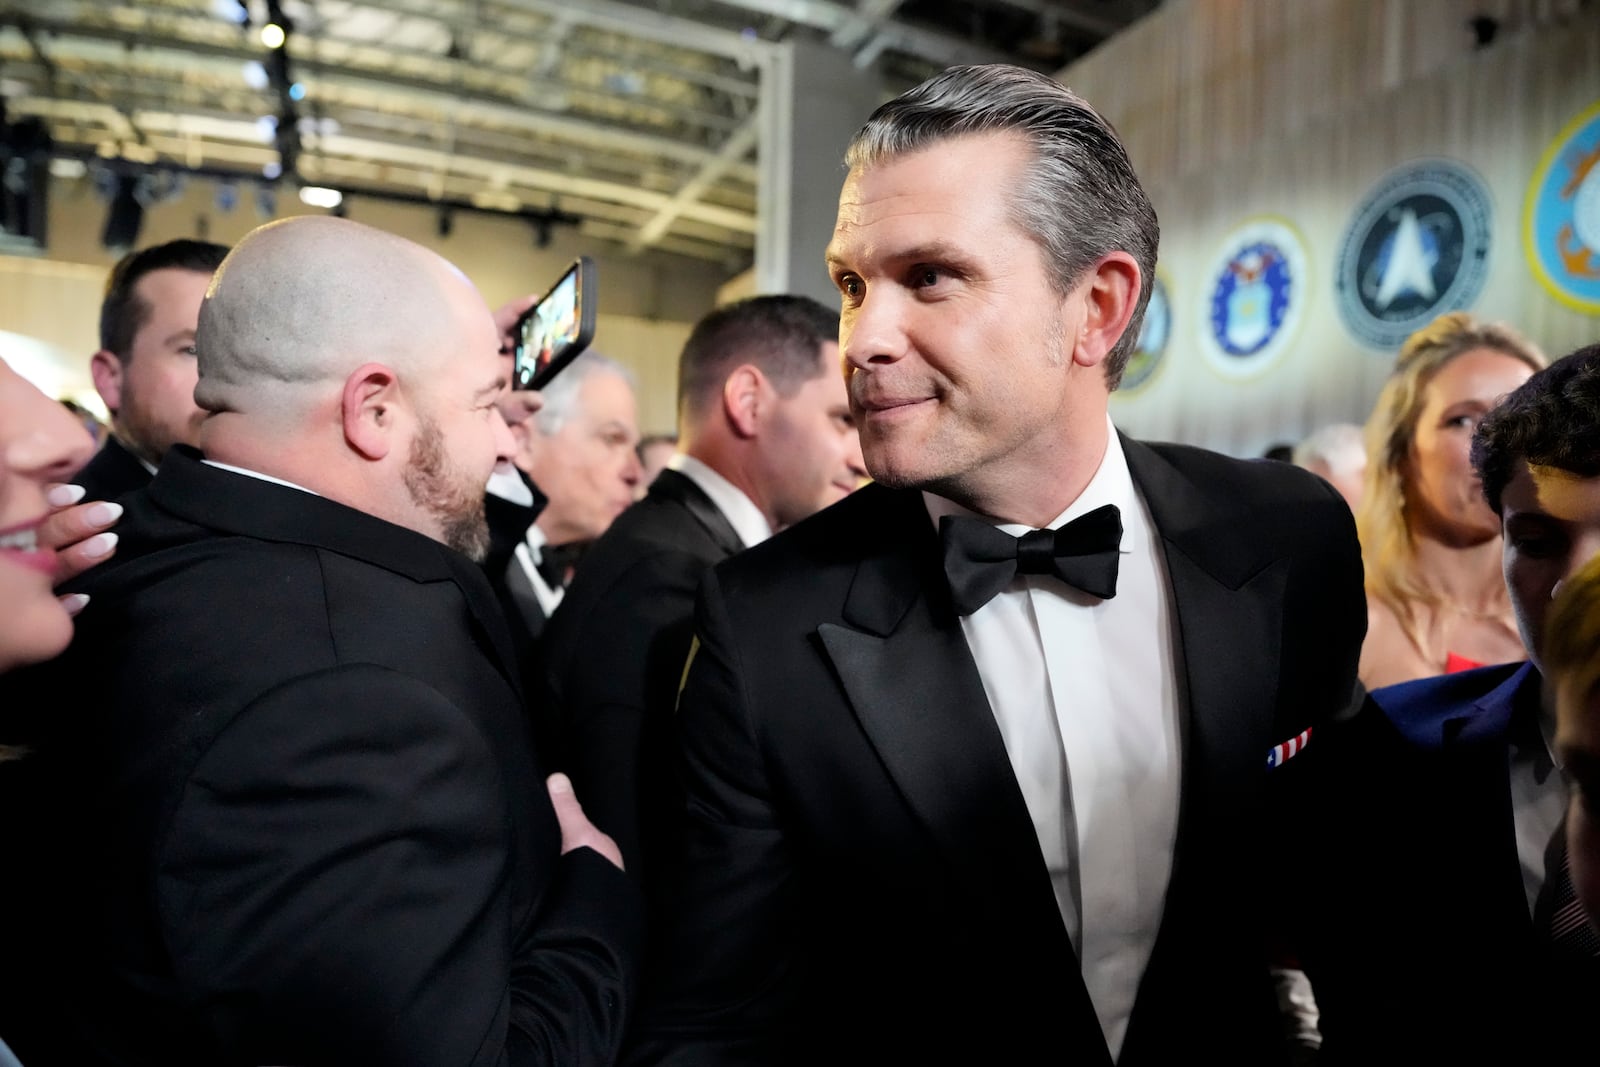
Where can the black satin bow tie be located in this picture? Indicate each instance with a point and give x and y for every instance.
(980, 560)
(556, 562)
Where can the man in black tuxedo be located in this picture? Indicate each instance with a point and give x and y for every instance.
(962, 789)
(145, 368)
(306, 821)
(575, 471)
(767, 439)
(1451, 791)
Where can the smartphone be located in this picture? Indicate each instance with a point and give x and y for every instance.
(554, 331)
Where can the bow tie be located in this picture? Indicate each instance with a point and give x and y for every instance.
(557, 561)
(980, 560)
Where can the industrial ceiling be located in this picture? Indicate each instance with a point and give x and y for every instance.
(635, 120)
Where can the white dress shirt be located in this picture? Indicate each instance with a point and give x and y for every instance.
(740, 511)
(1085, 694)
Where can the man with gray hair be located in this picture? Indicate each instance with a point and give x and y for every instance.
(1337, 454)
(306, 821)
(578, 454)
(999, 759)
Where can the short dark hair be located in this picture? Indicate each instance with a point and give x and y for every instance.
(122, 312)
(1551, 420)
(1078, 197)
(779, 334)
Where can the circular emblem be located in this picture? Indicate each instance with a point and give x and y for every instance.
(1154, 332)
(1417, 247)
(1561, 219)
(1259, 285)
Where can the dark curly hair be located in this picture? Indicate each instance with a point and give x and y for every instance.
(1551, 420)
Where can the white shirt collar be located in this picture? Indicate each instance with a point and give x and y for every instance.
(1112, 484)
(258, 475)
(740, 511)
(507, 484)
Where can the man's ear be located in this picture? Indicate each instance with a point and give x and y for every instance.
(106, 370)
(1110, 293)
(370, 409)
(744, 399)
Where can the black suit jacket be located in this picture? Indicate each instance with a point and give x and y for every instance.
(306, 822)
(1431, 954)
(114, 472)
(614, 654)
(862, 882)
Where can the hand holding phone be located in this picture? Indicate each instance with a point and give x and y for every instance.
(557, 328)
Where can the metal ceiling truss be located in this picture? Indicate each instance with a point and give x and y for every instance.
(642, 116)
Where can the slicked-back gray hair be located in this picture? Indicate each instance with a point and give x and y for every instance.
(561, 395)
(1338, 446)
(1079, 198)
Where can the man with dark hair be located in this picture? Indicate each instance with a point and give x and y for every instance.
(767, 438)
(145, 368)
(1454, 801)
(997, 761)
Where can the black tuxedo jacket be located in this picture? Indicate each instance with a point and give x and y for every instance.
(114, 472)
(1431, 954)
(862, 882)
(306, 824)
(614, 654)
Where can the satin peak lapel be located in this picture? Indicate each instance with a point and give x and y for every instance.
(1228, 600)
(911, 680)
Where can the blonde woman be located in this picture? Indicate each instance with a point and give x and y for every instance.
(1436, 601)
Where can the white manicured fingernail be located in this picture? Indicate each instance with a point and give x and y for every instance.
(62, 496)
(75, 602)
(104, 513)
(100, 545)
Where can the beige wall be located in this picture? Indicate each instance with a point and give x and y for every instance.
(648, 303)
(1295, 108)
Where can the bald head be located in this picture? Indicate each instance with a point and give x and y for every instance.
(302, 302)
(357, 365)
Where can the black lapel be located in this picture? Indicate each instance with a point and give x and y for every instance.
(680, 488)
(1476, 767)
(1227, 600)
(251, 507)
(519, 587)
(911, 680)
(1227, 596)
(508, 523)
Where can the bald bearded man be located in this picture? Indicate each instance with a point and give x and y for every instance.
(307, 825)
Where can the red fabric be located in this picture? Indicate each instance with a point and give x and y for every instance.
(1454, 663)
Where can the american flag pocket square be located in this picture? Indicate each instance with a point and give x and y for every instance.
(1281, 754)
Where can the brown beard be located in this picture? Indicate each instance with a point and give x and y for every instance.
(436, 486)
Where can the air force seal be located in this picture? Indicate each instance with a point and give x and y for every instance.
(1259, 286)
(1561, 219)
(1156, 330)
(1417, 247)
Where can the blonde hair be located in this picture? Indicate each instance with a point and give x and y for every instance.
(1571, 653)
(1388, 551)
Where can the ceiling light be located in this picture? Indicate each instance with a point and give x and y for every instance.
(272, 35)
(255, 75)
(320, 196)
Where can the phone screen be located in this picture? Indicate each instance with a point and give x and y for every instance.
(552, 332)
